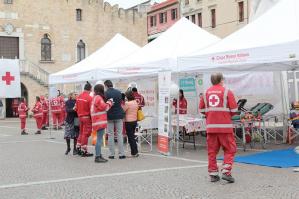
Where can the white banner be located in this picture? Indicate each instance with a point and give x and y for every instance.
(10, 84)
(164, 122)
(249, 83)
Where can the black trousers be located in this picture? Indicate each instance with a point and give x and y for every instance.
(130, 130)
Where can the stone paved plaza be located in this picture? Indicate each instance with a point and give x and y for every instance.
(35, 167)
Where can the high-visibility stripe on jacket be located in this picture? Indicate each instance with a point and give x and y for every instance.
(83, 104)
(219, 105)
(45, 104)
(37, 110)
(183, 105)
(55, 105)
(98, 112)
(22, 110)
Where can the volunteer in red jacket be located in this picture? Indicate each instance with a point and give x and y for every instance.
(138, 97)
(83, 105)
(45, 106)
(63, 112)
(22, 109)
(56, 112)
(98, 111)
(219, 105)
(38, 115)
(182, 103)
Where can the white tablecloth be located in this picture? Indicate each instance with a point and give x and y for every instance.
(190, 123)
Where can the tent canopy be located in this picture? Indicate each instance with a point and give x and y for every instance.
(270, 42)
(93, 66)
(180, 39)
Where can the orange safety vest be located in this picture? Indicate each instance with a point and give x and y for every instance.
(98, 112)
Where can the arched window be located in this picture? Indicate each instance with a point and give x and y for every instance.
(80, 50)
(46, 48)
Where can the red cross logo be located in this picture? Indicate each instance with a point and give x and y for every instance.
(8, 78)
(214, 100)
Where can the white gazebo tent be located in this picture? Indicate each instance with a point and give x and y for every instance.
(182, 38)
(92, 68)
(269, 43)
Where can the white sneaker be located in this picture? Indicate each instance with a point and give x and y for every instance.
(296, 170)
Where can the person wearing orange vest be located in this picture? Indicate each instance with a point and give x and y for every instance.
(98, 112)
(56, 112)
(45, 106)
(219, 105)
(138, 97)
(182, 103)
(38, 115)
(22, 110)
(83, 105)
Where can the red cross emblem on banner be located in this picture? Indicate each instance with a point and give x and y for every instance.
(8, 78)
(214, 100)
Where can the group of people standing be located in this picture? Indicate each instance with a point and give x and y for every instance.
(102, 111)
(40, 114)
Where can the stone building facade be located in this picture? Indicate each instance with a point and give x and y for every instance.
(50, 35)
(219, 17)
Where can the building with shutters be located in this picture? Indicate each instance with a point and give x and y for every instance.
(219, 17)
(161, 16)
(51, 35)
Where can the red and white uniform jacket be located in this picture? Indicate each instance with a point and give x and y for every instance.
(55, 105)
(182, 105)
(45, 104)
(98, 112)
(22, 109)
(37, 110)
(140, 99)
(83, 104)
(219, 105)
(62, 103)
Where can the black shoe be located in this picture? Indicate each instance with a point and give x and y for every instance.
(79, 151)
(111, 157)
(38, 132)
(24, 133)
(59, 128)
(86, 154)
(214, 178)
(67, 151)
(135, 156)
(122, 157)
(44, 128)
(228, 178)
(75, 152)
(100, 159)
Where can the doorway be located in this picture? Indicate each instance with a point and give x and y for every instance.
(13, 103)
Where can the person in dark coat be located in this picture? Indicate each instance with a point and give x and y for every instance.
(115, 120)
(71, 128)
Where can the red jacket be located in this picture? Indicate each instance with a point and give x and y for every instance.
(83, 104)
(45, 104)
(140, 99)
(22, 109)
(37, 110)
(219, 105)
(62, 103)
(182, 106)
(55, 105)
(98, 112)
